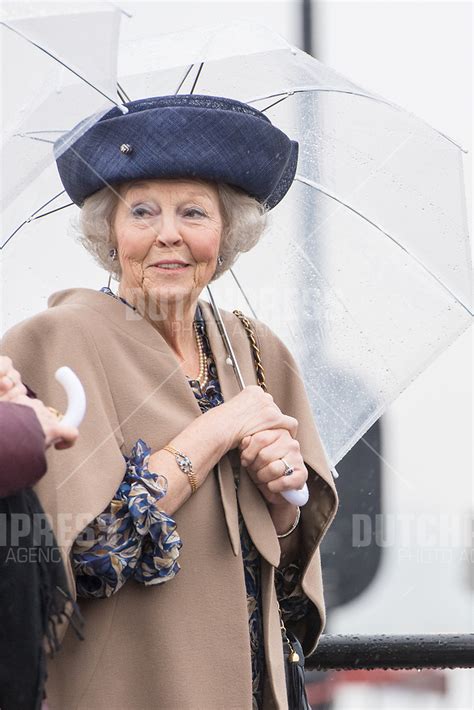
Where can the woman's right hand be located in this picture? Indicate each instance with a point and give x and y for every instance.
(251, 411)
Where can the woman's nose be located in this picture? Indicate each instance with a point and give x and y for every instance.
(167, 232)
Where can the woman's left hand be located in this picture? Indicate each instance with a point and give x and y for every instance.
(261, 455)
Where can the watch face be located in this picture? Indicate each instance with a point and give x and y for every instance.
(185, 464)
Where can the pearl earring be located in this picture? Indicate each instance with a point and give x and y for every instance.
(220, 260)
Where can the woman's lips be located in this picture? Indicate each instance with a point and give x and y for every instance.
(170, 267)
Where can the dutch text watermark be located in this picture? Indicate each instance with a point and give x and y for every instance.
(435, 531)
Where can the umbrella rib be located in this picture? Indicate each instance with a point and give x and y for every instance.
(45, 214)
(186, 74)
(34, 138)
(13, 233)
(32, 135)
(275, 103)
(120, 9)
(56, 59)
(196, 79)
(33, 216)
(320, 188)
(243, 292)
(48, 130)
(122, 93)
(378, 99)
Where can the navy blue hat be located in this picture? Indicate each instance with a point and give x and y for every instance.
(187, 135)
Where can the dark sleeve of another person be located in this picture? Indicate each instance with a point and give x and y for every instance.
(22, 448)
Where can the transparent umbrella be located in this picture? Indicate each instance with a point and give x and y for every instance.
(367, 262)
(365, 269)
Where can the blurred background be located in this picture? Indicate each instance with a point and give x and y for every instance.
(399, 558)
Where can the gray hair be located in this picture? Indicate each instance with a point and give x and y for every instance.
(244, 221)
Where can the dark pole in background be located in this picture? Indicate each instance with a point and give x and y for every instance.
(349, 566)
(307, 27)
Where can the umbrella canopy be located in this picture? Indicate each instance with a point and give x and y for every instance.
(366, 272)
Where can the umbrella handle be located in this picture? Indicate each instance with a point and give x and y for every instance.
(76, 397)
(297, 497)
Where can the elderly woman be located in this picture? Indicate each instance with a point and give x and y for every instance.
(169, 509)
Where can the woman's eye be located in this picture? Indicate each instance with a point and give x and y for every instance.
(141, 211)
(194, 212)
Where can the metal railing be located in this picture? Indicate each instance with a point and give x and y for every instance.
(336, 652)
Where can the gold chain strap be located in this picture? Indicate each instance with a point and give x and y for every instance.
(260, 372)
(293, 656)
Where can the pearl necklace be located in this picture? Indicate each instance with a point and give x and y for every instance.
(203, 375)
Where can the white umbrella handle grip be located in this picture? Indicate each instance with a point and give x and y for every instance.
(76, 397)
(299, 497)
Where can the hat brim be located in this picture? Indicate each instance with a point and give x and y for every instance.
(210, 138)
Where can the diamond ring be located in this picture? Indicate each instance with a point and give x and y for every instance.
(288, 469)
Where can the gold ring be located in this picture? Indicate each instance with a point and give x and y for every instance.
(54, 411)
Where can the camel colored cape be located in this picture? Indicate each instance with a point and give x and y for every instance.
(184, 644)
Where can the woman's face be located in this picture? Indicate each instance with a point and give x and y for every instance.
(168, 234)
